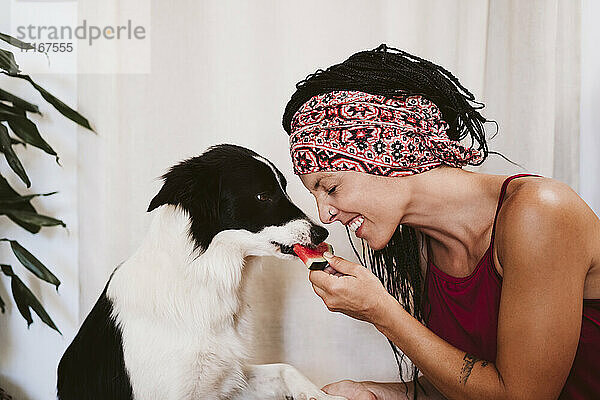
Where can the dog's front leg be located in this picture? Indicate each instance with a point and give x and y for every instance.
(280, 382)
(242, 243)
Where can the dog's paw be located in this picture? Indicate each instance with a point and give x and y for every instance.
(248, 243)
(300, 388)
(282, 382)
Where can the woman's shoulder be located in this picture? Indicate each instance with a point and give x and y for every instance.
(545, 199)
(542, 213)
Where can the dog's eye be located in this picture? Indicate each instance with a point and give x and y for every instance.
(263, 197)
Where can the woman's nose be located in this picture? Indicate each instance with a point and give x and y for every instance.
(327, 213)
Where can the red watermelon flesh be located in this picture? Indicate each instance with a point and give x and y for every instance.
(313, 257)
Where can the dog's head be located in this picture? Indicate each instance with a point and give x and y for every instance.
(231, 187)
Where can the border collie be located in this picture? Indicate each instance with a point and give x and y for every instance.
(172, 322)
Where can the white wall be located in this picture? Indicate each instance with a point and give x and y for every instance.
(220, 72)
(590, 105)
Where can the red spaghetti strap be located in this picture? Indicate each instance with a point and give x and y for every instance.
(501, 199)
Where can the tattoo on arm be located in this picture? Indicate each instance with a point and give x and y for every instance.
(470, 361)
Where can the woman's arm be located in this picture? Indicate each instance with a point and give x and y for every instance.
(544, 260)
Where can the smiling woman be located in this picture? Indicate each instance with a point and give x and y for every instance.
(471, 277)
(375, 210)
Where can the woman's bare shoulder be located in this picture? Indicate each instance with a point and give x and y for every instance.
(547, 211)
(548, 198)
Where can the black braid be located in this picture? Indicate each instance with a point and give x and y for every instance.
(398, 268)
(391, 72)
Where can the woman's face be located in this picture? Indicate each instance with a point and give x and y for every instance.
(367, 204)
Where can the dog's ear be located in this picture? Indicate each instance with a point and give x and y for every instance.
(192, 185)
(164, 196)
(174, 191)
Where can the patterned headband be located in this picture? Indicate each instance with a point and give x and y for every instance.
(357, 131)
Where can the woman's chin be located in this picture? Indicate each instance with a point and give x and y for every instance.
(378, 243)
(375, 245)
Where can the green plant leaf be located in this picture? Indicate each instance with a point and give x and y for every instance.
(32, 217)
(7, 192)
(7, 112)
(11, 156)
(15, 42)
(8, 63)
(59, 105)
(30, 262)
(27, 131)
(14, 141)
(19, 102)
(26, 300)
(21, 306)
(21, 199)
(25, 128)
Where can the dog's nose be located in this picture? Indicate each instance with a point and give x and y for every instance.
(318, 234)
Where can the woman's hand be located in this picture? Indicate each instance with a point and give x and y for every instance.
(351, 289)
(350, 390)
(369, 390)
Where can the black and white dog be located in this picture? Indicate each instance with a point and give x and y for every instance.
(171, 322)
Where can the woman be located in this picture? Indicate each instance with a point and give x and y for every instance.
(493, 282)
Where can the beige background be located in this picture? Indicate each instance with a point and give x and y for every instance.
(222, 72)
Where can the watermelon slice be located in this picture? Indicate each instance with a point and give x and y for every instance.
(313, 257)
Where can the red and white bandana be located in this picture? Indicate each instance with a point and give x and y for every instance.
(375, 134)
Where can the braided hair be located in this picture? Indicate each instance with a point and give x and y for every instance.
(395, 73)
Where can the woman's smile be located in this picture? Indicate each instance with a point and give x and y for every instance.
(355, 223)
(356, 201)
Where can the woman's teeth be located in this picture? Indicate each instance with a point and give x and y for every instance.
(356, 223)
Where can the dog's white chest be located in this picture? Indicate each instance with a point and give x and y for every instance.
(183, 328)
(180, 364)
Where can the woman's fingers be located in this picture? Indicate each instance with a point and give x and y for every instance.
(350, 390)
(340, 387)
(352, 289)
(332, 271)
(320, 279)
(341, 265)
(320, 292)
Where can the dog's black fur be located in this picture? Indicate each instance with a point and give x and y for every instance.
(93, 366)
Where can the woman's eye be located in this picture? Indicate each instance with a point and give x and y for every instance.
(330, 191)
(263, 197)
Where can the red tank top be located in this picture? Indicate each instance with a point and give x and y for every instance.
(464, 312)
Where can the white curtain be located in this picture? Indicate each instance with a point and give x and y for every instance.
(589, 165)
(532, 81)
(222, 72)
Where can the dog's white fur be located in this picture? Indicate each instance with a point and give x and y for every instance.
(185, 327)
